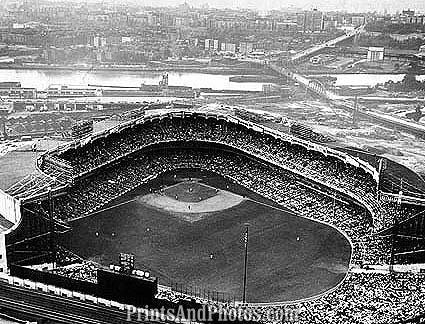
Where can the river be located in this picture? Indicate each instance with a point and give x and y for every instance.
(41, 79)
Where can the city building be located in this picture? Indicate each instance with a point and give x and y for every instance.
(416, 20)
(408, 13)
(245, 47)
(358, 20)
(375, 54)
(311, 21)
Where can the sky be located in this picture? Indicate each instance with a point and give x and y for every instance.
(327, 5)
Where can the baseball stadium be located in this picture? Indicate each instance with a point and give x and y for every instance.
(214, 209)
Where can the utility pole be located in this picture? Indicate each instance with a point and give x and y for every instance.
(52, 227)
(394, 234)
(246, 237)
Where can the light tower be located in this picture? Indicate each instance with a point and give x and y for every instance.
(246, 238)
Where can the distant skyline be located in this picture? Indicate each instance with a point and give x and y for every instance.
(326, 5)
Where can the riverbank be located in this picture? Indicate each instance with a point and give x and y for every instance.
(228, 70)
(327, 73)
(256, 78)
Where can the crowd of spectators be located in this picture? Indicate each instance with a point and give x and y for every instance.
(330, 171)
(365, 297)
(86, 271)
(92, 193)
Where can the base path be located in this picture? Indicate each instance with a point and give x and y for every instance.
(221, 201)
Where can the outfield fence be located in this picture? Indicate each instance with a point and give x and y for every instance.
(203, 294)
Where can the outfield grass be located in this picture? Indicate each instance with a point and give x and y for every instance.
(289, 257)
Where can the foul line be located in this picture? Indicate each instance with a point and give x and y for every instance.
(104, 209)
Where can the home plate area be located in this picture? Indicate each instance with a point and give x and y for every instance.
(191, 200)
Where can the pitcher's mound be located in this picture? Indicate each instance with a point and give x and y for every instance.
(191, 200)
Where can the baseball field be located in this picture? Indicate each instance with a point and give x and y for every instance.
(188, 227)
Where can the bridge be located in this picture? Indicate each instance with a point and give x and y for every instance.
(321, 90)
(312, 50)
(345, 103)
(361, 110)
(385, 119)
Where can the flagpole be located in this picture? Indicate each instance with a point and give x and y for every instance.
(246, 262)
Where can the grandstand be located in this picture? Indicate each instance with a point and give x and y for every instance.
(312, 180)
(340, 171)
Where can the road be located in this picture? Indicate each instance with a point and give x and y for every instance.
(299, 56)
(386, 99)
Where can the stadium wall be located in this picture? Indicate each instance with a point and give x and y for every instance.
(3, 261)
(120, 287)
(49, 278)
(10, 209)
